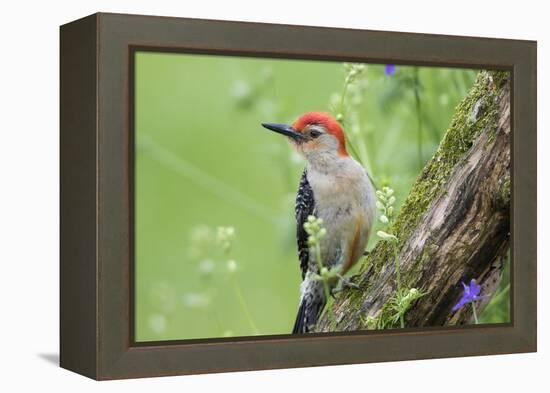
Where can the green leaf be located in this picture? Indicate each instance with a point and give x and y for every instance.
(386, 236)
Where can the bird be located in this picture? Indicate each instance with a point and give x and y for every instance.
(337, 189)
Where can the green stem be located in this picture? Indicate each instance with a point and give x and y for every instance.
(243, 305)
(499, 295)
(418, 116)
(397, 268)
(343, 96)
(397, 276)
(354, 151)
(326, 288)
(365, 160)
(213, 294)
(475, 313)
(398, 281)
(341, 110)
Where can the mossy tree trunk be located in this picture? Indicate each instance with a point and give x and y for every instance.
(453, 226)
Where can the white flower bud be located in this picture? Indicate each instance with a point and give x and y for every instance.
(206, 266)
(386, 236)
(231, 266)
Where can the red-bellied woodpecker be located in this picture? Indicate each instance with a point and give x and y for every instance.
(337, 189)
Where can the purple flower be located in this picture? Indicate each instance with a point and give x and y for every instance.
(390, 69)
(471, 294)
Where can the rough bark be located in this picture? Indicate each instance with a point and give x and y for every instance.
(453, 226)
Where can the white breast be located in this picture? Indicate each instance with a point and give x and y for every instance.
(345, 200)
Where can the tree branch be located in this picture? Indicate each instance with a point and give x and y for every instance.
(453, 226)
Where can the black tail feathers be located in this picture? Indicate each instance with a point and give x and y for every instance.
(308, 314)
(300, 323)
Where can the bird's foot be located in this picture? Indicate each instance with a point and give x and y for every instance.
(344, 284)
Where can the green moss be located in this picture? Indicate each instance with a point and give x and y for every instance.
(413, 273)
(385, 317)
(477, 113)
(504, 190)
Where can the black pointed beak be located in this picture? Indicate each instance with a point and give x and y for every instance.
(284, 129)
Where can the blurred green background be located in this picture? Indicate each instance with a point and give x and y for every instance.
(204, 162)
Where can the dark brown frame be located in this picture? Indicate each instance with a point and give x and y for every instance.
(97, 195)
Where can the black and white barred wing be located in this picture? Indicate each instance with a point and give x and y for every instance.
(305, 206)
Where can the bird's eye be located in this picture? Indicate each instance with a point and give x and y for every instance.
(314, 133)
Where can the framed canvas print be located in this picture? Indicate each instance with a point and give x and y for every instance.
(241, 196)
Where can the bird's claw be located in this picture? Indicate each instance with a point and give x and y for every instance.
(349, 284)
(344, 284)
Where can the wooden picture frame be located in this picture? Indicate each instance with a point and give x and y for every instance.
(96, 270)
